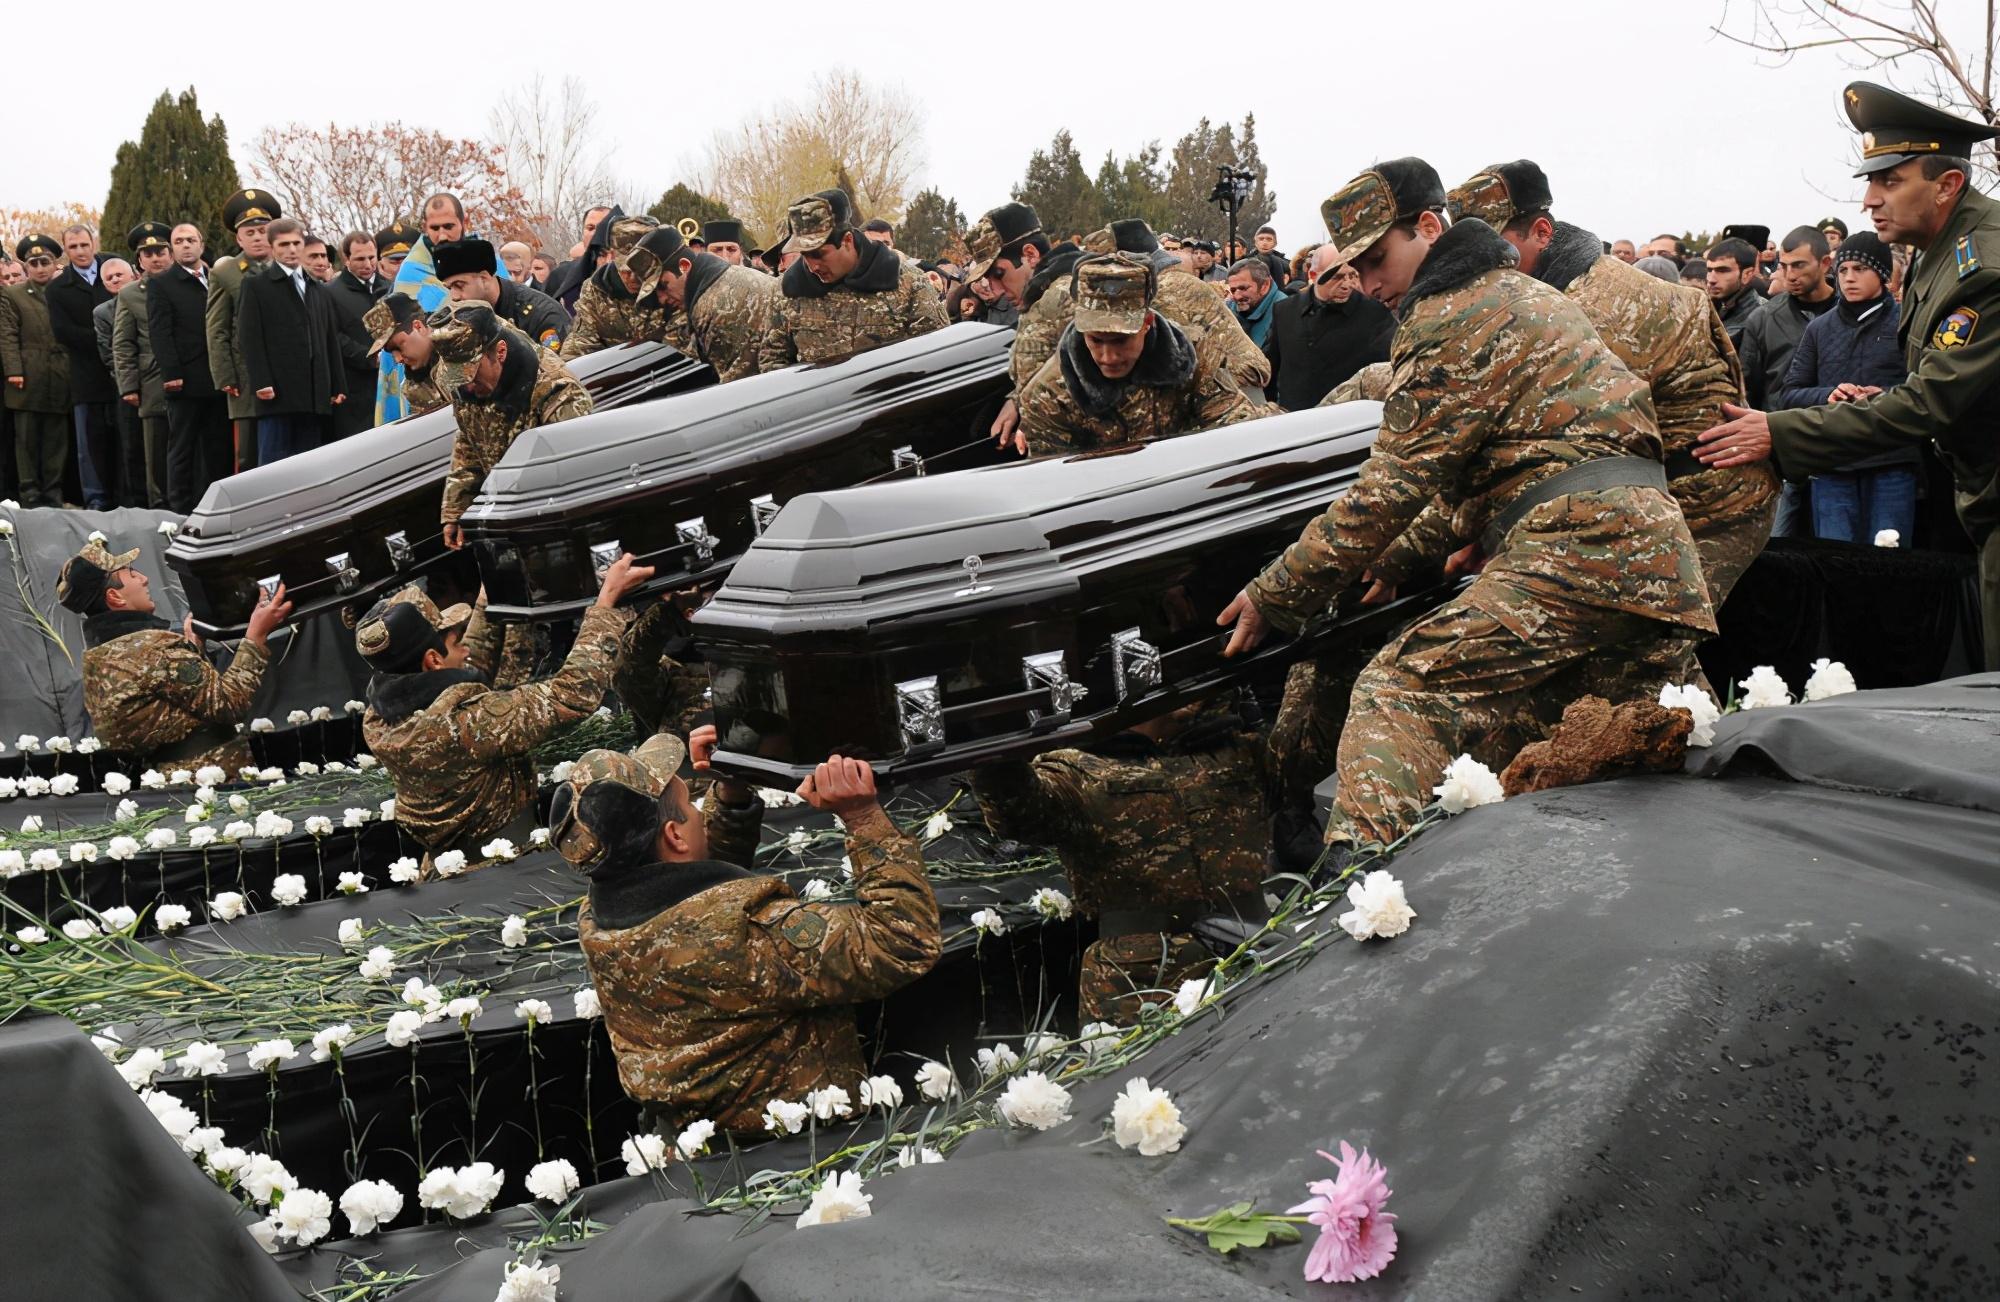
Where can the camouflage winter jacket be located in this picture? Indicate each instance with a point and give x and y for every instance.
(461, 751)
(603, 315)
(1202, 314)
(882, 300)
(727, 311)
(735, 992)
(1499, 383)
(1070, 407)
(535, 389)
(149, 691)
(657, 677)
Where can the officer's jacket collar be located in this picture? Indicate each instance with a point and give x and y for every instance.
(877, 273)
(626, 894)
(1167, 362)
(1468, 250)
(1572, 252)
(395, 697)
(110, 625)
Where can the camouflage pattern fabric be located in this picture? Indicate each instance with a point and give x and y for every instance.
(1164, 832)
(656, 323)
(836, 325)
(1369, 384)
(663, 694)
(726, 325)
(600, 321)
(463, 764)
(743, 993)
(225, 358)
(421, 391)
(1124, 975)
(150, 689)
(1202, 314)
(1054, 421)
(487, 427)
(1304, 745)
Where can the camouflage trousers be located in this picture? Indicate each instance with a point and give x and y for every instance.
(1729, 513)
(1125, 974)
(1305, 737)
(1458, 681)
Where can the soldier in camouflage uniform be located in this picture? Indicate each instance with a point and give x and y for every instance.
(1670, 337)
(247, 213)
(460, 751)
(501, 385)
(1124, 374)
(704, 306)
(846, 294)
(659, 677)
(1157, 827)
(396, 324)
(1505, 404)
(148, 689)
(603, 315)
(722, 990)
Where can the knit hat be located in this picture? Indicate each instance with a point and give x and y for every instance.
(1867, 248)
(1664, 268)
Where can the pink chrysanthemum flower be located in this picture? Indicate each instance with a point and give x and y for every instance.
(1357, 1239)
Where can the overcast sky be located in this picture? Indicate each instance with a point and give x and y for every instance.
(1644, 120)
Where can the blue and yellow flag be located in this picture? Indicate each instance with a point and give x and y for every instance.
(417, 277)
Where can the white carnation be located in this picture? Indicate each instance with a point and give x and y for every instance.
(270, 1053)
(935, 1081)
(1888, 538)
(1193, 994)
(237, 831)
(79, 929)
(159, 838)
(498, 848)
(297, 717)
(368, 1205)
(1829, 678)
(829, 1102)
(203, 1058)
(172, 917)
(118, 917)
(586, 1003)
(1764, 689)
(355, 817)
(1380, 908)
(83, 852)
(529, 1281)
(838, 1199)
(153, 780)
(145, 1063)
(881, 1092)
(405, 871)
(463, 1191)
(31, 936)
(997, 1060)
(304, 1216)
(693, 1141)
(1146, 1119)
(552, 1181)
(226, 907)
(1467, 785)
(273, 825)
(352, 884)
(116, 784)
(1700, 707)
(1032, 1099)
(463, 1009)
(288, 889)
(937, 825)
(330, 1040)
(449, 864)
(264, 1177)
(1098, 1039)
(201, 837)
(988, 922)
(643, 1153)
(1051, 903)
(403, 1028)
(535, 1011)
(63, 784)
(44, 861)
(912, 1156)
(782, 1117)
(319, 825)
(128, 810)
(514, 931)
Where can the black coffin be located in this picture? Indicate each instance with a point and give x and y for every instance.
(934, 624)
(346, 520)
(686, 485)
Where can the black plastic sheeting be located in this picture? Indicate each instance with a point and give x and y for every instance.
(44, 695)
(1658, 1037)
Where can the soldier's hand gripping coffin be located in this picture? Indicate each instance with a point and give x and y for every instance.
(935, 624)
(687, 485)
(345, 521)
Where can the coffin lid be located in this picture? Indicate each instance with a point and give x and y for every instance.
(664, 440)
(867, 543)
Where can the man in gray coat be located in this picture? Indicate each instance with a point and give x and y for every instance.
(133, 366)
(120, 480)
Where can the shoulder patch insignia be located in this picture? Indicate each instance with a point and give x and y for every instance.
(188, 672)
(1399, 413)
(1968, 257)
(803, 928)
(1955, 331)
(550, 339)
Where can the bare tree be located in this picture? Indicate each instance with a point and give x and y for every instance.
(339, 178)
(846, 127)
(1930, 47)
(550, 151)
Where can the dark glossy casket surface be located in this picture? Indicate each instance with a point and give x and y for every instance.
(686, 484)
(933, 624)
(344, 521)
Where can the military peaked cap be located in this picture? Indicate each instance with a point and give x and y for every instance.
(1895, 128)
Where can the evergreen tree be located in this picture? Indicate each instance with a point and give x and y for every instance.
(1135, 187)
(1060, 191)
(179, 170)
(684, 200)
(1194, 170)
(931, 226)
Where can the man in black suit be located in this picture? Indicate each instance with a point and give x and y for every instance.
(352, 293)
(286, 329)
(73, 296)
(198, 450)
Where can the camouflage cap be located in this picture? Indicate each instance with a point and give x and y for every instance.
(649, 259)
(1500, 193)
(1113, 292)
(80, 585)
(983, 246)
(626, 233)
(388, 316)
(1362, 211)
(610, 805)
(460, 331)
(397, 629)
(814, 219)
(997, 229)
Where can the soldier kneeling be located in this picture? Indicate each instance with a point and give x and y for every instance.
(721, 989)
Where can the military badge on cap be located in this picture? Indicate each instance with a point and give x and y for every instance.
(39, 246)
(396, 240)
(1113, 292)
(248, 207)
(149, 235)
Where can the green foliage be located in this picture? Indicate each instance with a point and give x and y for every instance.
(932, 225)
(1191, 175)
(1060, 191)
(683, 200)
(179, 170)
(1239, 1226)
(1135, 187)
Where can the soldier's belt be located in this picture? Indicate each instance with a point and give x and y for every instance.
(199, 742)
(1590, 477)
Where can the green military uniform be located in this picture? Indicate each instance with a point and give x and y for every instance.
(1070, 406)
(40, 405)
(721, 990)
(535, 389)
(1670, 337)
(148, 690)
(1202, 314)
(460, 751)
(882, 300)
(1951, 340)
(133, 367)
(658, 678)
(225, 358)
(1503, 398)
(604, 306)
(1153, 836)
